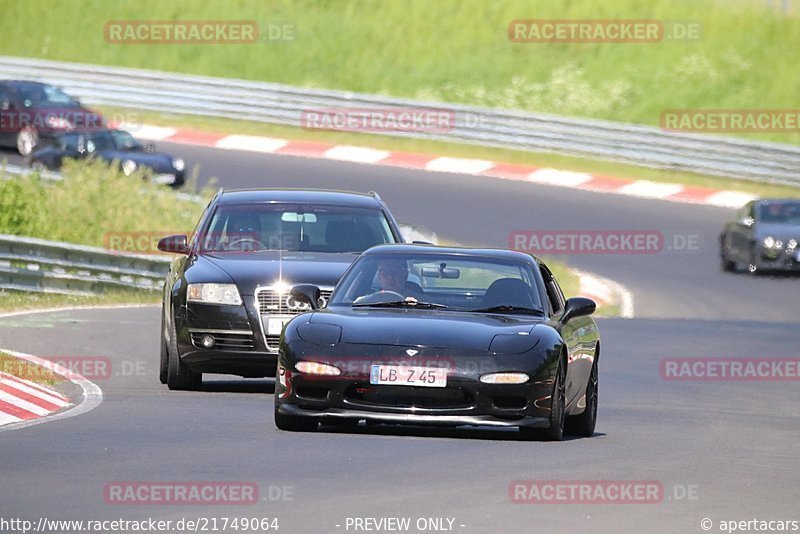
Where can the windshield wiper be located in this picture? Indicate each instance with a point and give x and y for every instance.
(400, 304)
(505, 308)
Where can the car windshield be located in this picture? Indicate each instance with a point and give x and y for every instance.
(44, 96)
(440, 280)
(295, 228)
(112, 140)
(782, 212)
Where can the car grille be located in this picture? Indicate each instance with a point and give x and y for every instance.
(225, 340)
(409, 397)
(272, 302)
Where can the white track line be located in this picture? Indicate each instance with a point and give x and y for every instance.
(91, 399)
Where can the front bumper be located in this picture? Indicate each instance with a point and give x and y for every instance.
(779, 259)
(238, 348)
(416, 419)
(465, 400)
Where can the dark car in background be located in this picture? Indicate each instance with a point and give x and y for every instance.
(763, 236)
(111, 145)
(226, 296)
(476, 337)
(33, 111)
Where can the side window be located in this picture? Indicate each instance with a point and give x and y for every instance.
(554, 293)
(5, 100)
(747, 212)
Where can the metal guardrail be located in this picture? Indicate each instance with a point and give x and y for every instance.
(282, 104)
(30, 264)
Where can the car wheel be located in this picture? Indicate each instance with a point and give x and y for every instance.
(179, 376)
(555, 432)
(727, 265)
(584, 424)
(164, 360)
(27, 139)
(38, 166)
(294, 423)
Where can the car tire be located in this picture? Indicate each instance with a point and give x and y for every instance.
(294, 423)
(584, 424)
(555, 432)
(726, 265)
(27, 139)
(163, 363)
(179, 376)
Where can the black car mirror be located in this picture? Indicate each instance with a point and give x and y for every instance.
(307, 294)
(176, 244)
(450, 273)
(577, 307)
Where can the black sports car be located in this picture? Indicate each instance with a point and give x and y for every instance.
(764, 236)
(34, 111)
(417, 334)
(111, 145)
(226, 295)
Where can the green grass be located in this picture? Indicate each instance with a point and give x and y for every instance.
(28, 371)
(402, 144)
(20, 301)
(454, 51)
(93, 202)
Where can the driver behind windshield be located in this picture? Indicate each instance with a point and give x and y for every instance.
(393, 276)
(243, 232)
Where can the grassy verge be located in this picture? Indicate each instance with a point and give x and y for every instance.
(28, 371)
(401, 144)
(93, 202)
(21, 301)
(744, 55)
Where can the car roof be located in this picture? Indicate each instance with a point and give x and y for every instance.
(771, 200)
(309, 196)
(413, 248)
(16, 83)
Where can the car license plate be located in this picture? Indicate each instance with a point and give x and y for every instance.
(163, 179)
(402, 375)
(275, 325)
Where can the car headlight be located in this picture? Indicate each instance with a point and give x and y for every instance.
(214, 294)
(768, 242)
(128, 167)
(178, 164)
(792, 244)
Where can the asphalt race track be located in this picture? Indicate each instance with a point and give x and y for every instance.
(720, 450)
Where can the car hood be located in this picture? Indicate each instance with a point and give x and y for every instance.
(252, 269)
(778, 231)
(427, 328)
(157, 161)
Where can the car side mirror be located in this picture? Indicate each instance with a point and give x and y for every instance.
(577, 307)
(177, 244)
(150, 148)
(307, 294)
